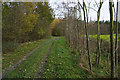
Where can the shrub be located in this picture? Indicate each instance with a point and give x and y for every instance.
(9, 46)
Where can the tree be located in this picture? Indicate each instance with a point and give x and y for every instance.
(18, 20)
(86, 31)
(98, 34)
(98, 30)
(26, 21)
(111, 40)
(44, 19)
(116, 43)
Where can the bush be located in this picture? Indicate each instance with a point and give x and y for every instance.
(9, 46)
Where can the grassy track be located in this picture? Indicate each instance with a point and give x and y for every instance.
(13, 57)
(63, 63)
(30, 66)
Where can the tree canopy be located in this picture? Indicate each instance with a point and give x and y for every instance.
(26, 21)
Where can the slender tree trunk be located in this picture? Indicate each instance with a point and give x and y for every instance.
(98, 34)
(111, 41)
(69, 32)
(98, 39)
(86, 32)
(116, 44)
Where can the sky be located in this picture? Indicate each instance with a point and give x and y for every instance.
(92, 14)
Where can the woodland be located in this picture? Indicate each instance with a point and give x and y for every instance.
(77, 46)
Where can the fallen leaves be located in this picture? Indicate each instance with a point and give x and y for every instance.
(69, 74)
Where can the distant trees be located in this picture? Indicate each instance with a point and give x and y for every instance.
(57, 27)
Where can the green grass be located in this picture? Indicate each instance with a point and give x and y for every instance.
(13, 57)
(29, 67)
(62, 63)
(104, 37)
(102, 70)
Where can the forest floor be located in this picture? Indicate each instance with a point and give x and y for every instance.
(62, 62)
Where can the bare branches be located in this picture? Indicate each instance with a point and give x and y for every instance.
(92, 9)
(96, 3)
(79, 4)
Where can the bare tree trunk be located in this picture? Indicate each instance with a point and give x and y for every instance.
(116, 44)
(98, 32)
(111, 41)
(86, 32)
(98, 39)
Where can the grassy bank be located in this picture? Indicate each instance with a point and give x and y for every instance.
(11, 58)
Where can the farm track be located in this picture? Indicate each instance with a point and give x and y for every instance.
(44, 61)
(24, 58)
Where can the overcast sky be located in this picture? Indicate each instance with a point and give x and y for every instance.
(92, 14)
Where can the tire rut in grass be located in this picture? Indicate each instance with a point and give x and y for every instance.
(44, 61)
(24, 58)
